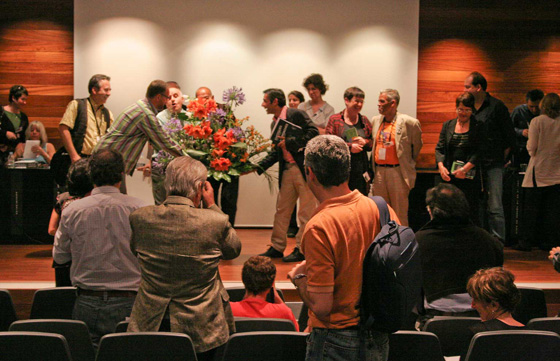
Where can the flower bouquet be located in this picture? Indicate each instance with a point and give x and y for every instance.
(210, 133)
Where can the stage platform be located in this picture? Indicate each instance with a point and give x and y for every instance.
(26, 268)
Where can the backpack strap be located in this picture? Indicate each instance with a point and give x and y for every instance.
(384, 215)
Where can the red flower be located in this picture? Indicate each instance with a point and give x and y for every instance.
(200, 107)
(223, 141)
(217, 153)
(201, 131)
(220, 164)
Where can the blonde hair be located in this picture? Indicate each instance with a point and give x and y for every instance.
(550, 105)
(41, 128)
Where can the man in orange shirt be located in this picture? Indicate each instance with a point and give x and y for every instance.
(397, 140)
(335, 241)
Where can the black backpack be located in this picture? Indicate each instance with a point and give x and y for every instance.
(392, 276)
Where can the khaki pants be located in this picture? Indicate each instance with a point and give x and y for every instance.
(389, 184)
(293, 186)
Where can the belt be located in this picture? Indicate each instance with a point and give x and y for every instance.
(106, 294)
(387, 165)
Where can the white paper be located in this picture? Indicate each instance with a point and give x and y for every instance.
(381, 154)
(28, 153)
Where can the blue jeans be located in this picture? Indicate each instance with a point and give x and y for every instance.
(101, 315)
(494, 185)
(347, 345)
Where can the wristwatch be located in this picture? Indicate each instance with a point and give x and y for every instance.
(297, 277)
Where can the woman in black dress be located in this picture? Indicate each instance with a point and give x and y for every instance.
(457, 152)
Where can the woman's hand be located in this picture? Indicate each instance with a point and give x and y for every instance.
(443, 172)
(11, 135)
(359, 140)
(460, 173)
(37, 150)
(553, 252)
(356, 148)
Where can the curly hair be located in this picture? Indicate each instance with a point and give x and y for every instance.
(258, 274)
(318, 81)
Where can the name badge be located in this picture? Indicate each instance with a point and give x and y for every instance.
(382, 153)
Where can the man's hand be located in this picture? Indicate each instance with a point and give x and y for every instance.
(359, 140)
(460, 173)
(298, 268)
(146, 170)
(207, 195)
(11, 135)
(525, 133)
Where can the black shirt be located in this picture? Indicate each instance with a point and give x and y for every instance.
(497, 130)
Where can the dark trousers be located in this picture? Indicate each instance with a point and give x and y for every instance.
(228, 197)
(541, 217)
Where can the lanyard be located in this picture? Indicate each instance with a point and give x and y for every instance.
(95, 117)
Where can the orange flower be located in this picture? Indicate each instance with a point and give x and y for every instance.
(217, 153)
(201, 131)
(244, 158)
(201, 107)
(223, 141)
(220, 164)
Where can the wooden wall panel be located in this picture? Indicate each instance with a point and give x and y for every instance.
(37, 51)
(516, 45)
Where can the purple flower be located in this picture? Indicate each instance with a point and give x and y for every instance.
(173, 126)
(237, 133)
(234, 95)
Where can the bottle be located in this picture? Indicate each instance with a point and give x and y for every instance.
(11, 160)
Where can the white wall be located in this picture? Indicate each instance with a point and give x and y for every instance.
(253, 44)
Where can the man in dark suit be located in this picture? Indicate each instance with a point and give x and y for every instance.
(289, 153)
(179, 247)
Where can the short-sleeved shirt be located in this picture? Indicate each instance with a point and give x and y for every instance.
(96, 125)
(334, 242)
(257, 308)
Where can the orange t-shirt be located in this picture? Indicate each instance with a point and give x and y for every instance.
(386, 140)
(334, 242)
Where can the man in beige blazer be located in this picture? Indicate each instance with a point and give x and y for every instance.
(397, 140)
(179, 247)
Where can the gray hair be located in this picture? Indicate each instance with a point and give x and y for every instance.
(41, 128)
(392, 94)
(184, 176)
(328, 157)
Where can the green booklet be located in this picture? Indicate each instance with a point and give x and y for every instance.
(458, 164)
(350, 134)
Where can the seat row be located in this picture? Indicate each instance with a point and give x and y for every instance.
(271, 346)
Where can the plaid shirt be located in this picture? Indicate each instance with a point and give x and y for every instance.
(130, 131)
(336, 127)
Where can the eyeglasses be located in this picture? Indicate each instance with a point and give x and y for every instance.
(460, 110)
(167, 97)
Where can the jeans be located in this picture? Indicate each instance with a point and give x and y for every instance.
(101, 315)
(347, 345)
(494, 207)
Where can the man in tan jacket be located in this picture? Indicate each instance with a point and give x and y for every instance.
(397, 140)
(179, 247)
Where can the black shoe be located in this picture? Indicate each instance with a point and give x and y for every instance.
(272, 253)
(295, 256)
(292, 232)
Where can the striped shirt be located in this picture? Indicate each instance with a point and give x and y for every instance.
(130, 131)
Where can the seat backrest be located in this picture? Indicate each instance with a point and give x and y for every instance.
(295, 307)
(551, 324)
(270, 346)
(532, 305)
(75, 332)
(121, 327)
(237, 294)
(414, 345)
(514, 345)
(7, 310)
(453, 333)
(57, 302)
(303, 317)
(146, 346)
(24, 346)
(246, 324)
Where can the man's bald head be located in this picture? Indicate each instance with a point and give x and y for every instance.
(204, 93)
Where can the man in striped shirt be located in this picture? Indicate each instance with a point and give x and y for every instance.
(138, 124)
